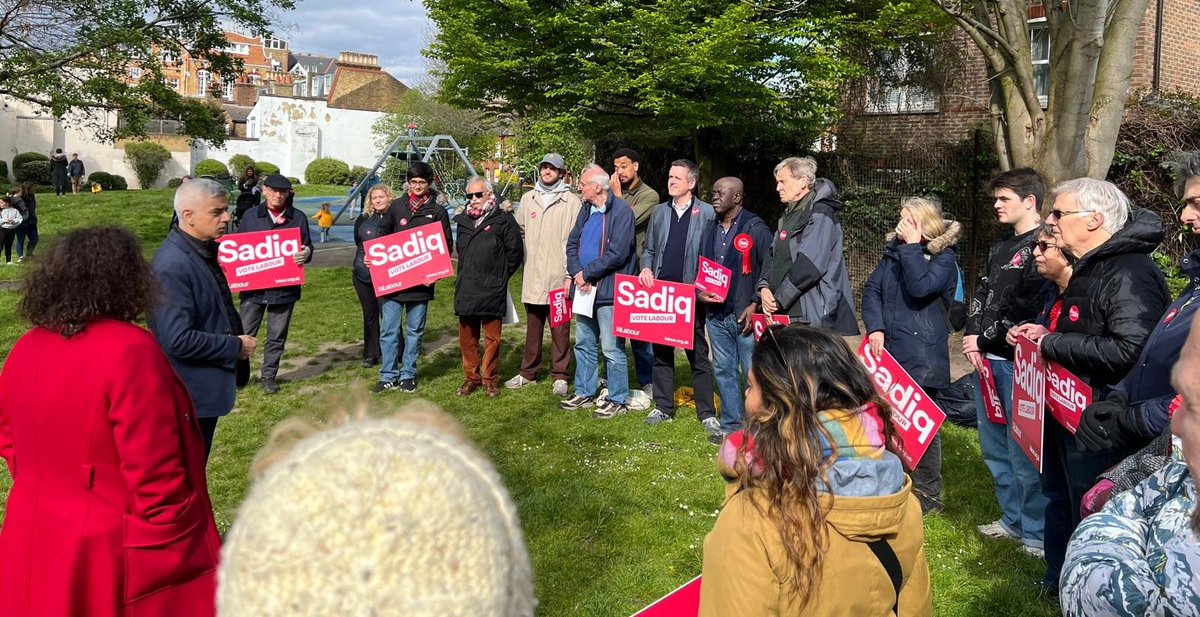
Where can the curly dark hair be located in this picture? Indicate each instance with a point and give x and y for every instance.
(88, 274)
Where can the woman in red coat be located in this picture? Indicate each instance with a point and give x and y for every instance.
(109, 512)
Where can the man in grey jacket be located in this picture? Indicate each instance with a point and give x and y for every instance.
(806, 277)
(671, 253)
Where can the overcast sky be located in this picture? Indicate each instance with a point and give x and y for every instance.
(394, 30)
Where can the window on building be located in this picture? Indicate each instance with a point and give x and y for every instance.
(251, 128)
(1039, 51)
(202, 81)
(899, 97)
(168, 58)
(173, 83)
(274, 43)
(300, 89)
(135, 72)
(227, 91)
(241, 49)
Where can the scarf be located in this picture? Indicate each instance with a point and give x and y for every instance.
(415, 202)
(557, 187)
(487, 206)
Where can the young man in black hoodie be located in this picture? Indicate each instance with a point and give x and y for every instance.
(739, 240)
(1009, 293)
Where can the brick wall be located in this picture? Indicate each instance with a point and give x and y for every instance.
(1180, 48)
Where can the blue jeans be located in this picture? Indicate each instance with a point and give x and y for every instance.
(1018, 487)
(588, 332)
(392, 366)
(643, 361)
(731, 352)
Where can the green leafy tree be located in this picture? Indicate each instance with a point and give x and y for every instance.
(76, 57)
(238, 164)
(147, 160)
(538, 137)
(472, 129)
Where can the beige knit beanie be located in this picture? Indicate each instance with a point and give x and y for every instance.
(401, 516)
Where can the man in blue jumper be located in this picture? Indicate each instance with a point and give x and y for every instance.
(600, 245)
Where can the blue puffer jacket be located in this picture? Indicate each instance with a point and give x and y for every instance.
(903, 299)
(616, 249)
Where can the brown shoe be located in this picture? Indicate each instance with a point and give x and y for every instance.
(468, 387)
(492, 390)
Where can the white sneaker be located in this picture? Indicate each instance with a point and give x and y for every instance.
(9, 263)
(518, 382)
(1034, 551)
(638, 401)
(996, 531)
(559, 389)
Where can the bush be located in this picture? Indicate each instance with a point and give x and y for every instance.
(327, 171)
(37, 172)
(210, 167)
(147, 160)
(238, 163)
(357, 172)
(295, 181)
(25, 157)
(265, 169)
(3, 171)
(174, 183)
(107, 181)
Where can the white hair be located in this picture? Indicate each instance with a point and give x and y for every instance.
(1099, 196)
(487, 184)
(799, 167)
(196, 189)
(599, 177)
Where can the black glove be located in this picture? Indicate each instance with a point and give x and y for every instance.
(1110, 424)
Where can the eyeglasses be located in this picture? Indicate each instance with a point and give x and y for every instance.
(418, 181)
(1058, 214)
(478, 195)
(1042, 245)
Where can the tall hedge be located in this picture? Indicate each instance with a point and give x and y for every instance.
(327, 171)
(147, 160)
(37, 172)
(25, 157)
(265, 169)
(107, 181)
(210, 167)
(3, 171)
(238, 163)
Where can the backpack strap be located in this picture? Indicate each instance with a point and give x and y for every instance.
(891, 564)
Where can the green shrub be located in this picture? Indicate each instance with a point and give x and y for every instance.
(327, 171)
(265, 169)
(107, 181)
(210, 167)
(4, 171)
(238, 163)
(147, 160)
(294, 180)
(357, 172)
(25, 157)
(37, 172)
(174, 183)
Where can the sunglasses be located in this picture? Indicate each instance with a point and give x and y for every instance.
(1042, 245)
(478, 195)
(1058, 214)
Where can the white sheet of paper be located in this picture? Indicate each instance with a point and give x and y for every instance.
(583, 303)
(510, 311)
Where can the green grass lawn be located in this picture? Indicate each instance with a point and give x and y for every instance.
(614, 513)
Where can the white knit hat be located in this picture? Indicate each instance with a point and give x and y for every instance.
(378, 517)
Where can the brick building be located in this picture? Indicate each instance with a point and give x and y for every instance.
(902, 118)
(359, 83)
(264, 71)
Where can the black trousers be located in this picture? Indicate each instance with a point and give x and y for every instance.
(927, 477)
(279, 317)
(208, 429)
(702, 377)
(370, 313)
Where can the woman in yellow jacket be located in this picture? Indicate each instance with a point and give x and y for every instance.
(820, 518)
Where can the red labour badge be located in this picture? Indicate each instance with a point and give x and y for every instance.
(743, 243)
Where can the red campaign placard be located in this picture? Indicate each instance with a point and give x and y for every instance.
(915, 416)
(1066, 395)
(663, 314)
(261, 259)
(560, 308)
(760, 322)
(987, 389)
(683, 602)
(713, 278)
(408, 258)
(1029, 400)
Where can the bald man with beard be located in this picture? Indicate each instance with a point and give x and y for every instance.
(741, 241)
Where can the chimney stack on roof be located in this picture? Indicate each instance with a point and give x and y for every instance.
(354, 58)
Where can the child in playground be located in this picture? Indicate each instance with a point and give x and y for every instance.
(324, 220)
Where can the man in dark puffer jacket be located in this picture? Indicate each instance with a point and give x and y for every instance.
(1115, 298)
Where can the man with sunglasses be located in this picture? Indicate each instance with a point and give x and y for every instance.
(416, 207)
(1111, 304)
(1010, 292)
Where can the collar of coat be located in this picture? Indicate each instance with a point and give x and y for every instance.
(948, 238)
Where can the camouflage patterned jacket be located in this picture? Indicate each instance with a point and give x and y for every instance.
(1137, 556)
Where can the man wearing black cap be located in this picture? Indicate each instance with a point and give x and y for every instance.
(416, 207)
(276, 212)
(547, 215)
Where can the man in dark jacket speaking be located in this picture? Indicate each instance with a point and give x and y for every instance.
(806, 276)
(276, 212)
(195, 323)
(1115, 297)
